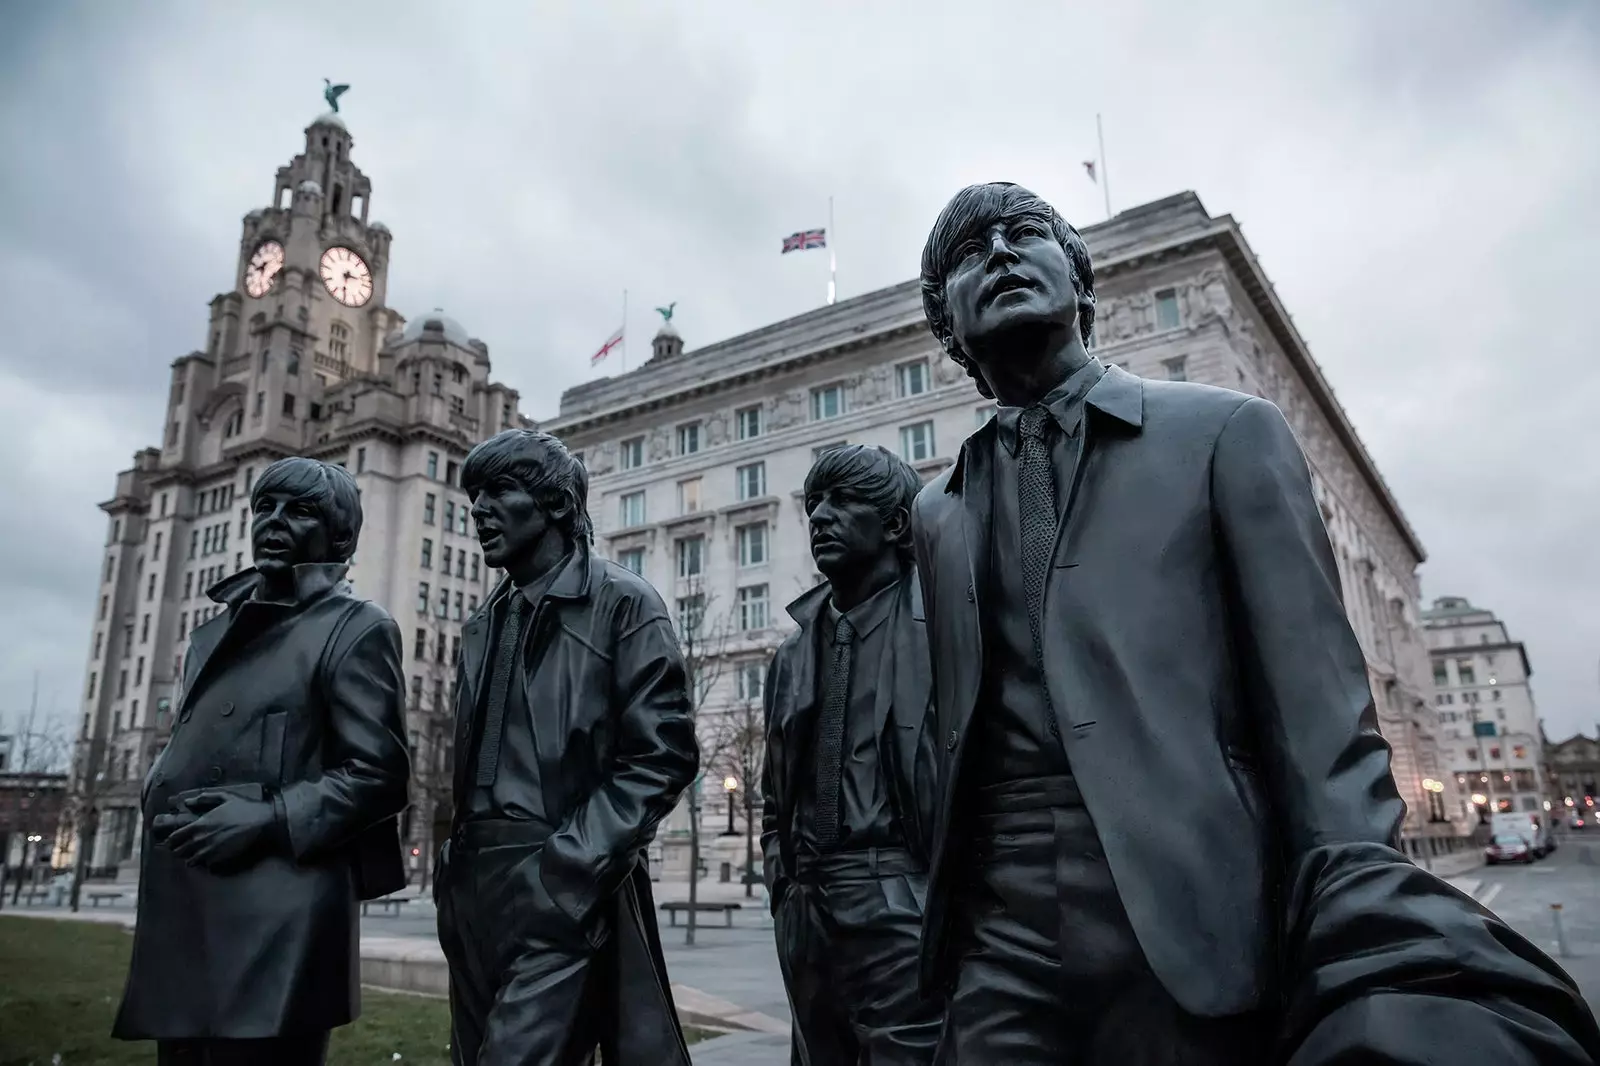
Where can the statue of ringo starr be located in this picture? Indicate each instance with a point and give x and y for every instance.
(272, 811)
(1166, 823)
(573, 740)
(847, 783)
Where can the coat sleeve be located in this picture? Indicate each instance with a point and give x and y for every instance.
(655, 757)
(367, 764)
(1375, 952)
(773, 873)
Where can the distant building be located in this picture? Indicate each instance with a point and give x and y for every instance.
(1572, 775)
(1483, 697)
(31, 806)
(7, 751)
(697, 457)
(302, 357)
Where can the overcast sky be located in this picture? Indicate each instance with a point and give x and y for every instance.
(1421, 187)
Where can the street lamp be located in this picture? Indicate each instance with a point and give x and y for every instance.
(731, 785)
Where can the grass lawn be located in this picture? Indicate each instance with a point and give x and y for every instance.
(61, 981)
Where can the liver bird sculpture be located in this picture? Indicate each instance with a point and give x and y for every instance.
(332, 92)
(666, 312)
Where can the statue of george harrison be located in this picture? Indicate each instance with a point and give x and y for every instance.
(1166, 827)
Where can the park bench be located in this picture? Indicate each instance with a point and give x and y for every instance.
(386, 904)
(34, 895)
(678, 906)
(97, 898)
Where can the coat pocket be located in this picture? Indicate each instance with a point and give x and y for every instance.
(273, 727)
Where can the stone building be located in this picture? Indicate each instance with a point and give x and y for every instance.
(1572, 777)
(1491, 738)
(697, 459)
(302, 357)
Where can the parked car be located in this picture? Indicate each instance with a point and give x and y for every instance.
(1508, 847)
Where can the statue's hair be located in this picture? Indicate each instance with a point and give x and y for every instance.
(972, 211)
(543, 467)
(874, 473)
(331, 488)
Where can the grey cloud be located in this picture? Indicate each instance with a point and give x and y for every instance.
(1417, 180)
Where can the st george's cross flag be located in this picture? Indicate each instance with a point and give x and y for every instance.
(605, 349)
(806, 238)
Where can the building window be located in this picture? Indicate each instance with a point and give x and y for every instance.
(750, 680)
(104, 604)
(144, 630)
(747, 422)
(689, 496)
(630, 509)
(288, 404)
(449, 514)
(752, 540)
(155, 551)
(816, 453)
(461, 562)
(361, 460)
(150, 590)
(916, 442)
(688, 438)
(691, 611)
(92, 678)
(419, 646)
(138, 671)
(632, 453)
(691, 556)
(472, 605)
(122, 683)
(444, 559)
(460, 606)
(1175, 368)
(111, 566)
(827, 401)
(99, 639)
(183, 624)
(443, 611)
(461, 519)
(753, 607)
(912, 378)
(752, 480)
(260, 404)
(632, 559)
(474, 566)
(1465, 673)
(1167, 309)
(451, 472)
(422, 597)
(429, 502)
(338, 338)
(427, 553)
(433, 466)
(1441, 673)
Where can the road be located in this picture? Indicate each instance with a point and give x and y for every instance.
(1522, 895)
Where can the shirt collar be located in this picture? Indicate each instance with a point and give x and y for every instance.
(868, 614)
(1064, 402)
(310, 581)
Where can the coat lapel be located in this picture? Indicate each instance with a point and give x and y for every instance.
(967, 557)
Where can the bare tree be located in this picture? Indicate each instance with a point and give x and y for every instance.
(739, 743)
(430, 722)
(703, 638)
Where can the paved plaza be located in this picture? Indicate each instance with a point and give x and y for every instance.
(736, 967)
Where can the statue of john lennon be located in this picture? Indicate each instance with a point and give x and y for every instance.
(1130, 593)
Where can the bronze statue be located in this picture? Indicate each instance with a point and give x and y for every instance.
(847, 783)
(1166, 824)
(573, 740)
(332, 92)
(272, 811)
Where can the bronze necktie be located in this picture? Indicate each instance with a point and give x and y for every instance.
(1036, 499)
(830, 735)
(505, 669)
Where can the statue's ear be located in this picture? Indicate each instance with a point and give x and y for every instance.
(897, 525)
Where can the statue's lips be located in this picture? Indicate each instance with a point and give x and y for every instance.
(487, 538)
(1003, 284)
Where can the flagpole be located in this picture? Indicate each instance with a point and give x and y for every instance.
(624, 331)
(1105, 175)
(833, 263)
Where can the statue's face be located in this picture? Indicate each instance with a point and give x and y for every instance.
(847, 534)
(288, 530)
(1011, 274)
(510, 522)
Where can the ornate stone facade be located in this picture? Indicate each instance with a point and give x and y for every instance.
(1179, 295)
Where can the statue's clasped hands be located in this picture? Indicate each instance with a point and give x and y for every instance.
(213, 828)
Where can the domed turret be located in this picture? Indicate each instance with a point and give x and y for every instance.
(309, 187)
(435, 325)
(667, 343)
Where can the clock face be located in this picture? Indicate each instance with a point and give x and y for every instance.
(263, 268)
(346, 276)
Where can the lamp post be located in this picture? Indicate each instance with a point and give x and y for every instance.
(730, 784)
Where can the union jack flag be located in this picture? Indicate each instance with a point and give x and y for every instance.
(806, 238)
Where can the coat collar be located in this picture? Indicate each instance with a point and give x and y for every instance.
(1118, 395)
(572, 580)
(310, 581)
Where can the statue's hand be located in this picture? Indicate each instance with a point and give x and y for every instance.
(229, 830)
